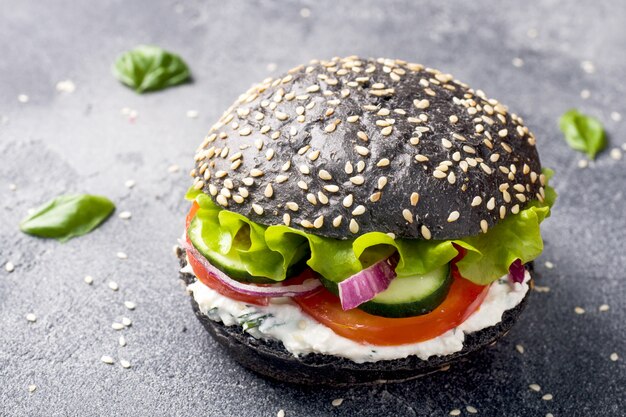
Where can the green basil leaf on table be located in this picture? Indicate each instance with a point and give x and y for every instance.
(583, 133)
(68, 216)
(150, 68)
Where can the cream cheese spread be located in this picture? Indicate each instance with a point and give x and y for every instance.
(283, 320)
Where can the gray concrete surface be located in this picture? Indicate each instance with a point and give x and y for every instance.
(80, 142)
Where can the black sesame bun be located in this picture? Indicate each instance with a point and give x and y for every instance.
(271, 359)
(349, 146)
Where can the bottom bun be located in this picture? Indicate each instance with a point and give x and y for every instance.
(269, 357)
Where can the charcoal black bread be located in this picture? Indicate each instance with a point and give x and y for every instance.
(271, 359)
(348, 146)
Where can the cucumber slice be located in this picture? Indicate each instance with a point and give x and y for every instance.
(407, 296)
(232, 265)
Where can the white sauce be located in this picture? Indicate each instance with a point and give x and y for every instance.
(283, 320)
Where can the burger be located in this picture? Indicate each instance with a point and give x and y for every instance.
(362, 220)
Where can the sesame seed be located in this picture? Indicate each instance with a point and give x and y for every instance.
(287, 219)
(603, 307)
(117, 326)
(535, 387)
(330, 128)
(257, 209)
(455, 412)
(357, 180)
(451, 177)
(439, 174)
(31, 317)
(319, 222)
(32, 388)
(303, 185)
(547, 397)
(281, 413)
(408, 216)
(337, 402)
(269, 191)
(22, 98)
(477, 201)
(382, 181)
(125, 364)
(583, 163)
(292, 206)
(614, 357)
(348, 168)
(615, 116)
(354, 226)
(107, 359)
(484, 226)
(471, 410)
(307, 224)
(245, 131)
(519, 348)
(348, 200)
(281, 116)
(375, 196)
(281, 178)
(304, 169)
(415, 198)
(491, 204)
(331, 188)
(362, 150)
(352, 119)
(314, 155)
(485, 168)
(425, 232)
(454, 216)
(125, 215)
(579, 310)
(453, 119)
(221, 200)
(421, 158)
(311, 198)
(359, 210)
(421, 104)
(502, 212)
(254, 172)
(616, 154)
(337, 221)
(446, 143)
(382, 163)
(386, 131)
(9, 267)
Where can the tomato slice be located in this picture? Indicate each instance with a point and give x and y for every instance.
(192, 213)
(463, 299)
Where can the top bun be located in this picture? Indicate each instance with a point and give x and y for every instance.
(348, 146)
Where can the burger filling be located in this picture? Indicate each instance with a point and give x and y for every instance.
(370, 298)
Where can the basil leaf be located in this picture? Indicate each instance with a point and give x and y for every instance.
(150, 68)
(68, 216)
(583, 133)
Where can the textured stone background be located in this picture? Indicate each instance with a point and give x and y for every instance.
(80, 142)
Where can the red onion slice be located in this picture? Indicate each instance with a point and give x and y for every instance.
(517, 271)
(278, 290)
(364, 286)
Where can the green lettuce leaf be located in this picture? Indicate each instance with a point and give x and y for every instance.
(268, 251)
